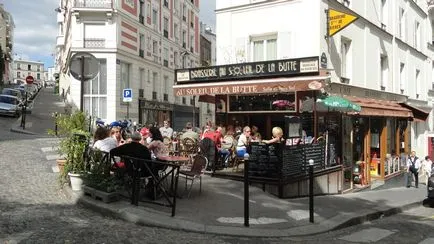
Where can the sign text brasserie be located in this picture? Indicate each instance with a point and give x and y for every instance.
(249, 70)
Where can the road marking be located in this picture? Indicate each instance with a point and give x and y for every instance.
(299, 214)
(49, 149)
(52, 157)
(253, 221)
(427, 241)
(367, 235)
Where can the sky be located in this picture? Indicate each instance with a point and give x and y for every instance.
(36, 28)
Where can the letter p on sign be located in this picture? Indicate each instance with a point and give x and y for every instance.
(127, 95)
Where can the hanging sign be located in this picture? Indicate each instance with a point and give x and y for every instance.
(337, 21)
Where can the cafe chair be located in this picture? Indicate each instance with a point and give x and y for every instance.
(189, 147)
(196, 172)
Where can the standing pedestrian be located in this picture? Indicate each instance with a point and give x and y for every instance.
(413, 164)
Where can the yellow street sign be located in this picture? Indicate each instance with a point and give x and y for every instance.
(339, 20)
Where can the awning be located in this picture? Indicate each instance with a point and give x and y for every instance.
(420, 113)
(272, 85)
(375, 107)
(207, 99)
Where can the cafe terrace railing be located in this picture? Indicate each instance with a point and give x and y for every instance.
(93, 3)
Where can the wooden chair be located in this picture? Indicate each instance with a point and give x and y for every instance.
(196, 172)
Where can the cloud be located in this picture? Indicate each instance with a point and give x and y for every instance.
(35, 27)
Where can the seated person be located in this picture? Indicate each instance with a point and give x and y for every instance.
(156, 145)
(134, 149)
(256, 136)
(277, 136)
(103, 141)
(243, 141)
(189, 133)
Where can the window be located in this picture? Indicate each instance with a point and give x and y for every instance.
(125, 77)
(94, 35)
(264, 49)
(38, 76)
(416, 35)
(148, 7)
(155, 47)
(184, 37)
(166, 3)
(384, 66)
(29, 67)
(166, 27)
(176, 60)
(155, 18)
(402, 77)
(95, 93)
(18, 66)
(176, 30)
(401, 30)
(346, 58)
(154, 81)
(418, 84)
(384, 14)
(191, 43)
(184, 12)
(167, 88)
(166, 57)
(142, 45)
(18, 74)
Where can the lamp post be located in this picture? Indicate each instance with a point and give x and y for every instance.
(183, 54)
(311, 212)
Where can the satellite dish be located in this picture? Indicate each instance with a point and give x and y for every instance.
(84, 66)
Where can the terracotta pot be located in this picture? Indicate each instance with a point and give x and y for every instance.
(61, 164)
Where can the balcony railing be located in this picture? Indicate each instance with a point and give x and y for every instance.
(93, 4)
(94, 43)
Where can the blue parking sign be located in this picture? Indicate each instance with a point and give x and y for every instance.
(127, 95)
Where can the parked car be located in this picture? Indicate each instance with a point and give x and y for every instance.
(10, 105)
(13, 92)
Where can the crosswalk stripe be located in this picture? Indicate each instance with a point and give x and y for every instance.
(427, 241)
(49, 149)
(52, 157)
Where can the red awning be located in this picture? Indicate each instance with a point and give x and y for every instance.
(420, 113)
(375, 107)
(274, 85)
(207, 99)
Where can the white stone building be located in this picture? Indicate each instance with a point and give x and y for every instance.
(382, 61)
(139, 43)
(23, 68)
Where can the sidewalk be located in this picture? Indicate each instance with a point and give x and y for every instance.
(219, 208)
(40, 120)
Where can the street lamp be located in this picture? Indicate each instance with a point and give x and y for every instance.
(183, 54)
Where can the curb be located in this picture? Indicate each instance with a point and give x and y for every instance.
(21, 131)
(153, 218)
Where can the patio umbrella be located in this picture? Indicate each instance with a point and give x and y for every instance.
(329, 104)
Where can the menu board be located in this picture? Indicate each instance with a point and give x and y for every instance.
(264, 160)
(292, 160)
(316, 152)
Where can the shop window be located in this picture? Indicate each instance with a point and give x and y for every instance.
(376, 129)
(262, 103)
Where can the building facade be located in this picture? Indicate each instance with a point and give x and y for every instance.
(383, 61)
(23, 68)
(139, 43)
(6, 42)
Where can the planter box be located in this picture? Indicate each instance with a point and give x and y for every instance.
(100, 195)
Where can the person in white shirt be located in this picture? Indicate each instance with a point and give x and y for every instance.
(413, 165)
(165, 130)
(103, 141)
(243, 141)
(426, 168)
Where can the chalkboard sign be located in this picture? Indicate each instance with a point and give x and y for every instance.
(264, 160)
(316, 152)
(292, 161)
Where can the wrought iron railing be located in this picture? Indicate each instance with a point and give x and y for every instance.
(94, 43)
(93, 4)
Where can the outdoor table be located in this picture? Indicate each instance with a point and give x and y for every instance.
(176, 160)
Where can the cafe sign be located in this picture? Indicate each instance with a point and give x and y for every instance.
(253, 70)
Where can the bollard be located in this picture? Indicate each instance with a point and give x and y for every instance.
(55, 123)
(246, 190)
(311, 212)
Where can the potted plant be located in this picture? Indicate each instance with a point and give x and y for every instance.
(74, 137)
(98, 182)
